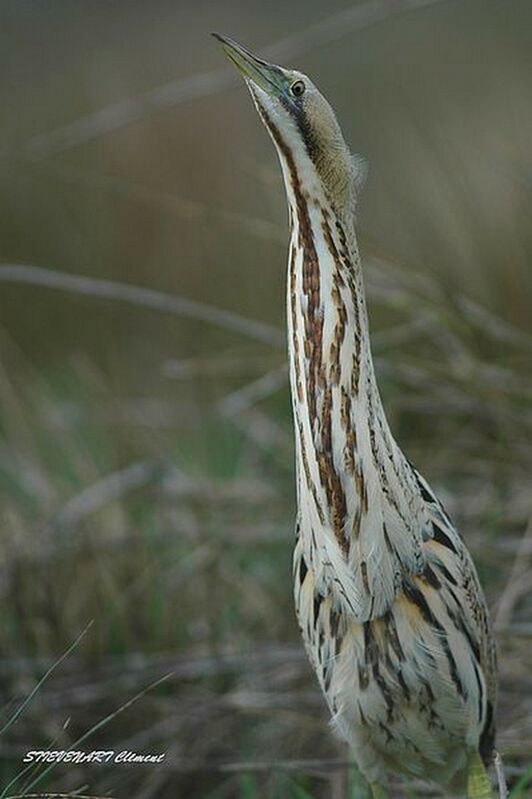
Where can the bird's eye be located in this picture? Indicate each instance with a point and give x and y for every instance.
(297, 88)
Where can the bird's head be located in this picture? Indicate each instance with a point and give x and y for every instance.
(303, 127)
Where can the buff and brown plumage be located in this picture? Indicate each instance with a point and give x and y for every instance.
(387, 597)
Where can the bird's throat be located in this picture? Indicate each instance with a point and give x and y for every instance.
(330, 362)
(344, 448)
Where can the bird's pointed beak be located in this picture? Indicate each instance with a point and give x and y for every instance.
(266, 76)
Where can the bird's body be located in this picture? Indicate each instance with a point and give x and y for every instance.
(387, 596)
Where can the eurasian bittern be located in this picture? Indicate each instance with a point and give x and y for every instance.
(387, 597)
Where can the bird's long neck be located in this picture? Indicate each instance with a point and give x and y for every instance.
(338, 414)
(351, 474)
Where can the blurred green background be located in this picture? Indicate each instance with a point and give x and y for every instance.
(146, 464)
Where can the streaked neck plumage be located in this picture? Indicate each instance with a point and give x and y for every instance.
(357, 496)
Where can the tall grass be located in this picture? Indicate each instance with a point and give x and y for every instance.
(183, 559)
